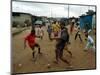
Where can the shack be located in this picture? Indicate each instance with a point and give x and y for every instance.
(87, 21)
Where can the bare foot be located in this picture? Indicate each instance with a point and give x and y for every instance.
(40, 53)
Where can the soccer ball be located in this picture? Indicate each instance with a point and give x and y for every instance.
(19, 65)
(48, 66)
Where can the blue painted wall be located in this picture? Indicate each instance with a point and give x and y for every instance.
(86, 22)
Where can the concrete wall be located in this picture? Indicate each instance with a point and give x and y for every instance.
(21, 19)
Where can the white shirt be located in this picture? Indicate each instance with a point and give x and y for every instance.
(39, 31)
(90, 39)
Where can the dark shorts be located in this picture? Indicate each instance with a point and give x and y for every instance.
(60, 44)
(35, 45)
(59, 48)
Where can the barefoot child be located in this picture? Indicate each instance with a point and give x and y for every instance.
(61, 42)
(56, 29)
(30, 38)
(41, 32)
(90, 43)
(49, 30)
(71, 27)
(78, 33)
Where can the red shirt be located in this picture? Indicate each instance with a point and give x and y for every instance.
(31, 40)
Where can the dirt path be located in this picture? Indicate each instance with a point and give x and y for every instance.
(80, 59)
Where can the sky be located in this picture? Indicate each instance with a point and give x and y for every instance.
(50, 10)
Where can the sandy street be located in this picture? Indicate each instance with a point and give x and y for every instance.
(22, 61)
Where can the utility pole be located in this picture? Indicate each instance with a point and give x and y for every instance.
(68, 13)
(68, 10)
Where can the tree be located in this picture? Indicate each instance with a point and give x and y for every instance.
(90, 12)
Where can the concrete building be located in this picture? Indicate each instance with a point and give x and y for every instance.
(21, 19)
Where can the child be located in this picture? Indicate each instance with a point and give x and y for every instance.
(61, 44)
(30, 38)
(55, 29)
(49, 30)
(41, 32)
(78, 34)
(71, 27)
(90, 43)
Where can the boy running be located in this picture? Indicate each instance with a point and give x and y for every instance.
(41, 32)
(64, 38)
(78, 34)
(71, 27)
(49, 30)
(55, 29)
(30, 38)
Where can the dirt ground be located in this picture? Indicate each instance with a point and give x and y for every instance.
(22, 61)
